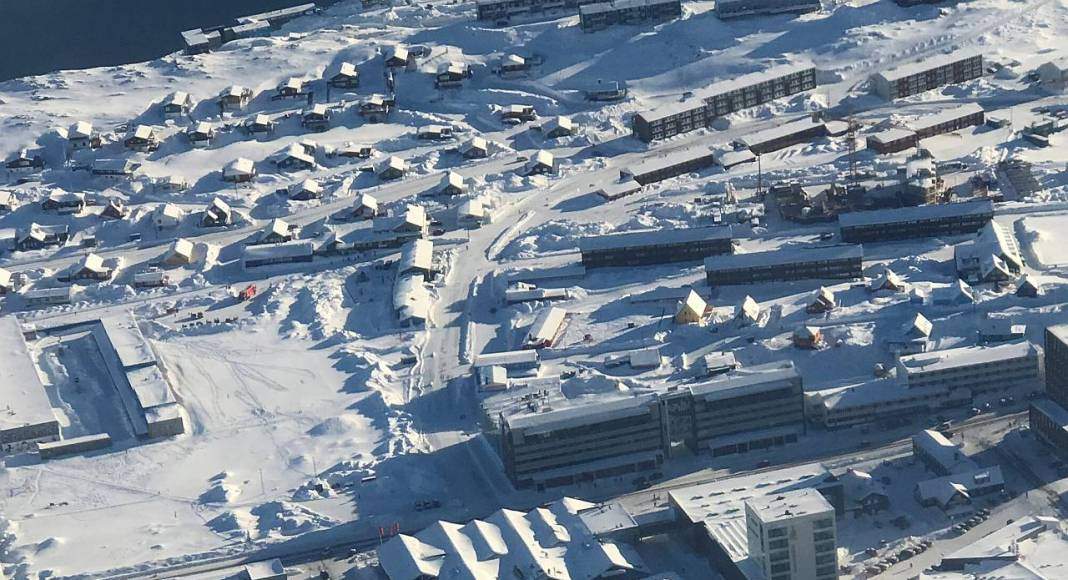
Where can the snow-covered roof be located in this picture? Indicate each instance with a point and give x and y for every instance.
(546, 326)
(393, 162)
(266, 569)
(479, 143)
(411, 300)
(781, 131)
(693, 303)
(966, 356)
(316, 110)
(235, 91)
(292, 84)
(452, 179)
(942, 451)
(471, 208)
(789, 505)
(260, 119)
(891, 135)
(912, 68)
(178, 99)
(239, 166)
(916, 213)
(310, 186)
(750, 380)
(591, 413)
(219, 205)
(416, 255)
(558, 122)
(294, 249)
(81, 129)
(917, 327)
(749, 308)
(90, 262)
(944, 115)
(181, 247)
(397, 52)
(201, 128)
(24, 398)
(943, 489)
(144, 132)
(782, 257)
(345, 69)
(724, 87)
(658, 237)
(169, 210)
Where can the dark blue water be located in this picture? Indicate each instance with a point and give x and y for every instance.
(40, 36)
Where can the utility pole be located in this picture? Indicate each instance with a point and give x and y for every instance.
(760, 179)
(851, 135)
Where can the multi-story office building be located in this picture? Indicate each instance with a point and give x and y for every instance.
(602, 439)
(950, 219)
(738, 8)
(755, 408)
(601, 15)
(792, 535)
(980, 369)
(828, 262)
(1049, 418)
(645, 247)
(723, 98)
(918, 77)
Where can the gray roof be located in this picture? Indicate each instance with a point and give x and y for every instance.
(752, 379)
(917, 213)
(783, 257)
(582, 414)
(640, 238)
(912, 68)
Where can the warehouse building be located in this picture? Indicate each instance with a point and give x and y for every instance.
(951, 219)
(737, 8)
(601, 15)
(646, 247)
(572, 444)
(28, 418)
(829, 262)
(723, 98)
(918, 77)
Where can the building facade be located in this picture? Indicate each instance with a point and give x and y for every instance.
(831, 262)
(646, 247)
(601, 15)
(721, 99)
(915, 222)
(1049, 418)
(918, 77)
(737, 8)
(981, 369)
(792, 535)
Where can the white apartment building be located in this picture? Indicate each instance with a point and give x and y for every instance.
(792, 535)
(980, 369)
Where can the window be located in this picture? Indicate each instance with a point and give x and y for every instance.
(825, 546)
(779, 556)
(825, 559)
(828, 535)
(778, 544)
(825, 571)
(784, 567)
(824, 523)
(776, 532)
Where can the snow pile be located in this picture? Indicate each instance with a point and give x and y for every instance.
(552, 236)
(282, 518)
(313, 307)
(370, 371)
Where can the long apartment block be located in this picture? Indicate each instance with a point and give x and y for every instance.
(601, 15)
(723, 98)
(829, 262)
(918, 77)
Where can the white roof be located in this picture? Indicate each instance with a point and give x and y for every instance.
(265, 569)
(507, 358)
(202, 128)
(5, 277)
(789, 505)
(393, 162)
(731, 262)
(558, 122)
(397, 51)
(587, 413)
(178, 98)
(916, 213)
(318, 109)
(942, 489)
(24, 400)
(546, 325)
(966, 356)
(219, 204)
(912, 68)
(749, 308)
(308, 185)
(750, 380)
(943, 451)
(452, 179)
(721, 500)
(131, 346)
(475, 143)
(80, 129)
(169, 210)
(471, 209)
(259, 119)
(294, 83)
(181, 247)
(239, 166)
(296, 248)
(92, 262)
(144, 132)
(235, 91)
(345, 69)
(784, 130)
(659, 237)
(945, 115)
(369, 201)
(416, 255)
(693, 303)
(411, 300)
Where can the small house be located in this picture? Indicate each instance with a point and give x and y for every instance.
(179, 254)
(375, 108)
(234, 98)
(417, 256)
(994, 269)
(366, 207)
(807, 337)
(316, 118)
(355, 151)
(543, 162)
(276, 232)
(239, 170)
(492, 378)
(434, 133)
(151, 278)
(266, 570)
(344, 76)
(8, 202)
(90, 268)
(36, 236)
(451, 74)
(958, 293)
(82, 136)
(259, 124)
(1028, 287)
(475, 148)
(171, 184)
(143, 138)
(24, 160)
(397, 56)
(452, 183)
(392, 168)
(200, 134)
(167, 215)
(691, 310)
(1001, 330)
(290, 88)
(913, 337)
(887, 280)
(305, 190)
(823, 301)
(472, 213)
(749, 311)
(114, 209)
(516, 114)
(513, 65)
(217, 214)
(414, 221)
(1054, 73)
(7, 282)
(115, 168)
(558, 126)
(863, 493)
(64, 202)
(294, 158)
(177, 105)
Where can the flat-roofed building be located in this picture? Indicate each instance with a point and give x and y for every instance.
(783, 136)
(601, 15)
(27, 418)
(828, 262)
(1049, 418)
(981, 369)
(737, 8)
(918, 77)
(546, 328)
(948, 219)
(722, 98)
(584, 442)
(667, 165)
(283, 253)
(793, 535)
(505, 11)
(645, 247)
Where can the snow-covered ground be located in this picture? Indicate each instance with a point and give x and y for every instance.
(307, 407)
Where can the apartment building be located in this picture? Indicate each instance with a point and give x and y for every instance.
(723, 98)
(945, 121)
(948, 219)
(738, 8)
(918, 77)
(646, 247)
(505, 11)
(757, 407)
(829, 262)
(668, 165)
(601, 15)
(1049, 417)
(980, 369)
(792, 535)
